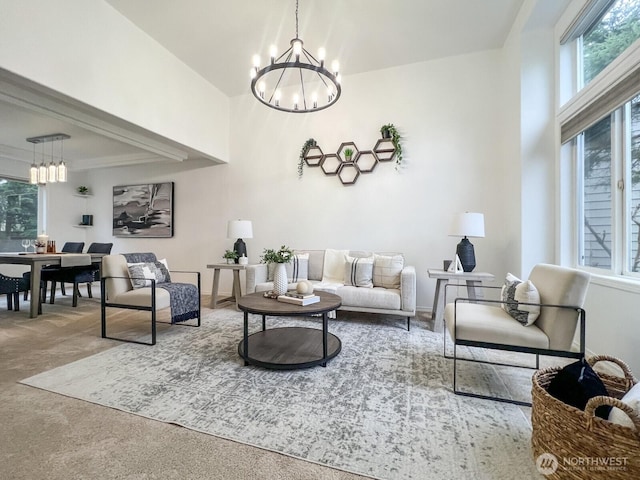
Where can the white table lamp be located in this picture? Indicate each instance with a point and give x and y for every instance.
(240, 229)
(467, 225)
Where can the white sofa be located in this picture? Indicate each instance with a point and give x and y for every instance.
(391, 301)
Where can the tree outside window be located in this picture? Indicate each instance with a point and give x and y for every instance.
(18, 213)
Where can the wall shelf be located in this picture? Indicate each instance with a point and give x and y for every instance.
(82, 226)
(88, 195)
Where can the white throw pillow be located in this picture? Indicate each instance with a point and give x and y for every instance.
(631, 398)
(358, 271)
(333, 268)
(515, 291)
(387, 270)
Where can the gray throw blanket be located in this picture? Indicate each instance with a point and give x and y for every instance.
(183, 297)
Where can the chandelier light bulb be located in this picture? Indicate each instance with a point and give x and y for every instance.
(339, 78)
(335, 67)
(330, 93)
(314, 98)
(273, 53)
(62, 172)
(52, 173)
(277, 96)
(261, 88)
(42, 174)
(296, 99)
(33, 174)
(253, 73)
(322, 53)
(256, 61)
(297, 48)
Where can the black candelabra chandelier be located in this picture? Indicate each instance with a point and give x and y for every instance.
(311, 86)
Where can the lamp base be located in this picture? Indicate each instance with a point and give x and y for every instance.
(240, 248)
(466, 254)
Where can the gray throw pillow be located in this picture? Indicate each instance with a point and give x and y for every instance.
(358, 272)
(141, 274)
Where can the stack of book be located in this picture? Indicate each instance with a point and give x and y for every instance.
(299, 298)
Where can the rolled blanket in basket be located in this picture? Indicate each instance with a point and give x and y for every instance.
(183, 299)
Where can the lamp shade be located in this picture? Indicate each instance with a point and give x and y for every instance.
(239, 229)
(467, 225)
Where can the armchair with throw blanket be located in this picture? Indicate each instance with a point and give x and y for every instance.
(139, 281)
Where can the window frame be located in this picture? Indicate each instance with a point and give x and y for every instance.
(571, 79)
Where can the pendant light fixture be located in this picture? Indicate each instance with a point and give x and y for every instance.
(48, 172)
(298, 72)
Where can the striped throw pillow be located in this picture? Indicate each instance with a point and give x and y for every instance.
(358, 272)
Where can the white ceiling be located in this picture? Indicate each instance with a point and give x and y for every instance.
(217, 38)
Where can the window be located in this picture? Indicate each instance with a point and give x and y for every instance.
(608, 37)
(18, 214)
(608, 164)
(596, 204)
(602, 123)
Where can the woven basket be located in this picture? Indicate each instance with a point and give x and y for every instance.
(584, 446)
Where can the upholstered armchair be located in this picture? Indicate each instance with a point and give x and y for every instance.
(138, 281)
(543, 327)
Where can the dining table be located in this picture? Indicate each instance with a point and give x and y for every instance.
(36, 261)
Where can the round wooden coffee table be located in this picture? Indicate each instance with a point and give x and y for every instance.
(288, 348)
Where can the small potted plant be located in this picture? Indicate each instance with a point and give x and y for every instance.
(348, 153)
(279, 257)
(40, 246)
(82, 190)
(231, 256)
(389, 131)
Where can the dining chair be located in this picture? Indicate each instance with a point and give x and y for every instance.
(47, 271)
(78, 275)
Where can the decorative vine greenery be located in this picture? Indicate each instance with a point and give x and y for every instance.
(390, 131)
(283, 255)
(303, 153)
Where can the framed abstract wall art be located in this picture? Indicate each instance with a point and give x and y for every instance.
(144, 210)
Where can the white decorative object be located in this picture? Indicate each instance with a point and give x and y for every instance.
(243, 260)
(456, 266)
(303, 287)
(280, 282)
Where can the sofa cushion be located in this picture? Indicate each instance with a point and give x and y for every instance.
(387, 270)
(376, 297)
(484, 323)
(141, 297)
(333, 269)
(358, 272)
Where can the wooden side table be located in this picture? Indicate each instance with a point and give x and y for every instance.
(473, 279)
(236, 292)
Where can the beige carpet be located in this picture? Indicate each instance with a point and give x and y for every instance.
(48, 436)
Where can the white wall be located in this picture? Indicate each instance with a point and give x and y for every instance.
(88, 51)
(449, 113)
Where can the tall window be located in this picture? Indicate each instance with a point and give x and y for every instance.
(603, 122)
(633, 198)
(596, 231)
(609, 37)
(18, 213)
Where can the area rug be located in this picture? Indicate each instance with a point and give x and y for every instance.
(382, 408)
